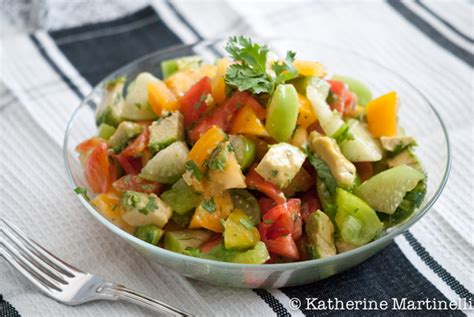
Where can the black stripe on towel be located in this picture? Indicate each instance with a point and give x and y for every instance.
(386, 275)
(55, 67)
(445, 23)
(274, 304)
(6, 309)
(431, 32)
(451, 281)
(98, 49)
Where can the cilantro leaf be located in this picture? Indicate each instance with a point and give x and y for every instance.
(209, 205)
(82, 191)
(247, 223)
(149, 207)
(192, 166)
(250, 72)
(343, 134)
(323, 172)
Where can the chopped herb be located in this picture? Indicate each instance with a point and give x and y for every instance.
(274, 173)
(200, 101)
(130, 199)
(109, 85)
(323, 172)
(250, 73)
(268, 221)
(114, 207)
(343, 134)
(82, 191)
(150, 206)
(138, 105)
(209, 205)
(192, 166)
(222, 221)
(218, 159)
(247, 223)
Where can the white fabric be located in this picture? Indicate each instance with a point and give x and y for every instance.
(33, 114)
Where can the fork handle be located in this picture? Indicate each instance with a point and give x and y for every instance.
(132, 296)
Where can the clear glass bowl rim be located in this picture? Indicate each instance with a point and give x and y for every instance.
(263, 267)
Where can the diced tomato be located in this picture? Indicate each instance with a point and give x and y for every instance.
(211, 243)
(284, 246)
(98, 169)
(309, 204)
(131, 165)
(365, 170)
(266, 204)
(88, 145)
(193, 103)
(222, 115)
(343, 100)
(350, 102)
(255, 181)
(135, 183)
(280, 227)
(137, 146)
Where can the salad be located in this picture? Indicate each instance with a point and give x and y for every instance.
(252, 159)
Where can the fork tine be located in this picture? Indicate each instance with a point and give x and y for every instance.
(28, 266)
(40, 264)
(42, 253)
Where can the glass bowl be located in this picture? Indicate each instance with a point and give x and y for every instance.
(417, 115)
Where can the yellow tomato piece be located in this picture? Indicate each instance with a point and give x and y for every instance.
(309, 68)
(211, 211)
(306, 115)
(160, 97)
(382, 115)
(247, 122)
(180, 82)
(109, 205)
(218, 83)
(206, 144)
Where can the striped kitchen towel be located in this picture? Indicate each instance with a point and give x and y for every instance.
(46, 74)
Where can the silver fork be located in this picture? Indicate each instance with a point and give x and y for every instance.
(63, 282)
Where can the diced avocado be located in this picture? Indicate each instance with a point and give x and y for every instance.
(320, 231)
(165, 131)
(244, 150)
(341, 168)
(182, 220)
(171, 66)
(256, 255)
(125, 131)
(356, 221)
(168, 165)
(246, 202)
(280, 164)
(397, 143)
(106, 131)
(143, 209)
(363, 147)
(239, 231)
(179, 241)
(385, 191)
(406, 157)
(319, 84)
(149, 233)
(136, 106)
(223, 170)
(181, 197)
(110, 109)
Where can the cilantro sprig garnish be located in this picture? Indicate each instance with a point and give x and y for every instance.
(250, 72)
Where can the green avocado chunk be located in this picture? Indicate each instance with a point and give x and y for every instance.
(179, 241)
(165, 131)
(320, 231)
(125, 131)
(181, 197)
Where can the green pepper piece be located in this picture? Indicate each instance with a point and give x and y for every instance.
(282, 113)
(149, 233)
(357, 222)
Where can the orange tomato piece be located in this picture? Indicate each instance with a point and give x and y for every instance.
(218, 83)
(309, 68)
(382, 115)
(109, 206)
(212, 220)
(206, 144)
(306, 115)
(161, 98)
(247, 122)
